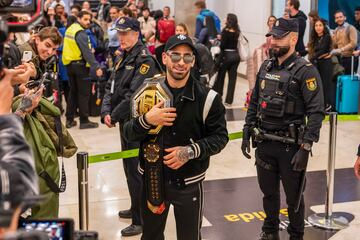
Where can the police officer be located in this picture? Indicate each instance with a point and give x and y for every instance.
(78, 58)
(287, 90)
(194, 129)
(131, 68)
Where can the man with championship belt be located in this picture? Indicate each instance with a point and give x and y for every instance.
(131, 68)
(183, 137)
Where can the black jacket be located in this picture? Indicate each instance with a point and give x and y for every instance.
(207, 137)
(312, 99)
(134, 67)
(300, 47)
(14, 150)
(321, 46)
(106, 9)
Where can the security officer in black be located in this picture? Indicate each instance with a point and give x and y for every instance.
(131, 68)
(288, 89)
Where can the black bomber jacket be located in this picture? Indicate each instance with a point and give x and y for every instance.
(206, 136)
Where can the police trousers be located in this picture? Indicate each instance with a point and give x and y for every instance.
(279, 156)
(188, 209)
(133, 179)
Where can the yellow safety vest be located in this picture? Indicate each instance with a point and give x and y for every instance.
(71, 51)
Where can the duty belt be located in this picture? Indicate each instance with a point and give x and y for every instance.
(260, 135)
(149, 94)
(292, 136)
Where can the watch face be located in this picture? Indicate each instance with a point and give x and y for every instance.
(307, 146)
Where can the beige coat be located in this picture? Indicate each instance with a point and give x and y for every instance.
(345, 38)
(147, 27)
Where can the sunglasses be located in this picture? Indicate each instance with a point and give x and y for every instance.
(176, 57)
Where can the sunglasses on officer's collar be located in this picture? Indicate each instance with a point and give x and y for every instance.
(176, 57)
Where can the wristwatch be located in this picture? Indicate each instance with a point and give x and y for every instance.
(190, 152)
(306, 146)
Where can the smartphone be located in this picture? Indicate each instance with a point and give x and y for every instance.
(27, 56)
(56, 229)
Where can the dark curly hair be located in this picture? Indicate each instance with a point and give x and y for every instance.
(314, 36)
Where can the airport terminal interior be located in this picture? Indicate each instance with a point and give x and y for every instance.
(233, 201)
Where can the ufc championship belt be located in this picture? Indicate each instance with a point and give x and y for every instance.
(148, 95)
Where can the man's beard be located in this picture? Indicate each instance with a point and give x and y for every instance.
(280, 51)
(178, 76)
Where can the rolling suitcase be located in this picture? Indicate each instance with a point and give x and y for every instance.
(347, 92)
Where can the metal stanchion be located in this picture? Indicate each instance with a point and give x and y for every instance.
(330, 220)
(83, 165)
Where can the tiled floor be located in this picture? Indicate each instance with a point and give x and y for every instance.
(108, 191)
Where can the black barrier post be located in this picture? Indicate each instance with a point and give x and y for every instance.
(83, 187)
(330, 220)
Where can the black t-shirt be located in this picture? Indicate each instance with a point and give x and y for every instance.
(170, 132)
(229, 40)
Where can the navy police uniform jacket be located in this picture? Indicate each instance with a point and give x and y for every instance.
(131, 69)
(287, 94)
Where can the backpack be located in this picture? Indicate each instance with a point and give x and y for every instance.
(207, 12)
(48, 139)
(204, 59)
(166, 29)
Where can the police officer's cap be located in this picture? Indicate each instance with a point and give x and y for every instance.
(14, 192)
(126, 24)
(177, 40)
(283, 27)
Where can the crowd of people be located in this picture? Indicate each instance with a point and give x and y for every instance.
(96, 59)
(333, 52)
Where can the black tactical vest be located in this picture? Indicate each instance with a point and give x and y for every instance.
(280, 99)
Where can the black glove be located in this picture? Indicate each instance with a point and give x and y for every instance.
(300, 160)
(245, 145)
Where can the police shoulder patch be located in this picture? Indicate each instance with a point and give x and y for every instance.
(311, 84)
(144, 68)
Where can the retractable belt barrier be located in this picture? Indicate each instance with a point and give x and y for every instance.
(232, 136)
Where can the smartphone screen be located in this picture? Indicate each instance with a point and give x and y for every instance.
(56, 229)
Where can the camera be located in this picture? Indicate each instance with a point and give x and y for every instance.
(9, 23)
(31, 7)
(56, 229)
